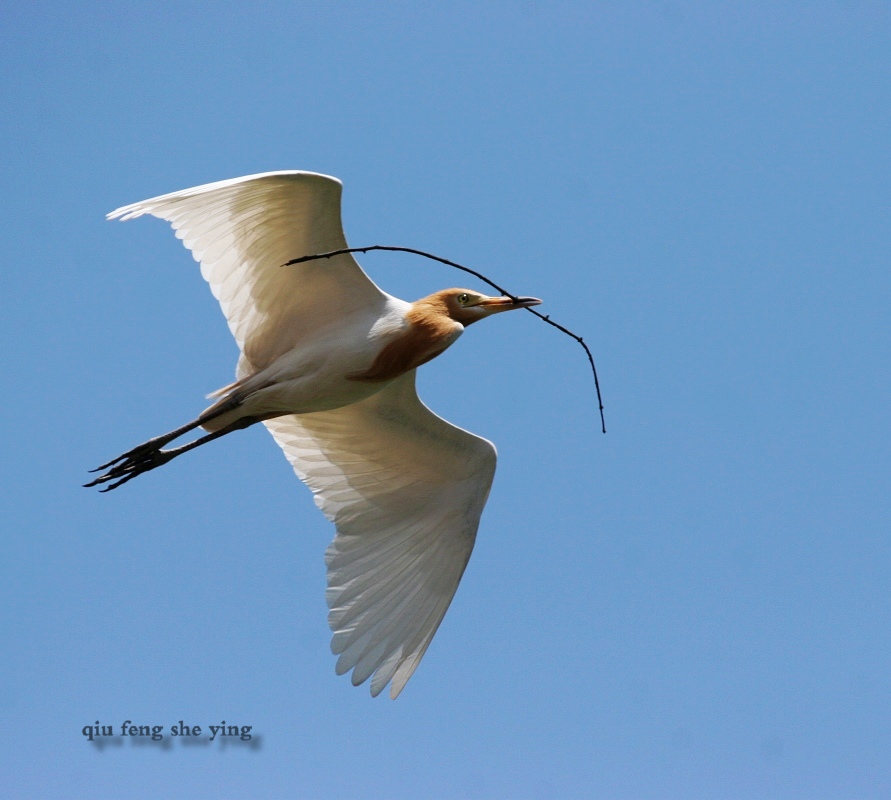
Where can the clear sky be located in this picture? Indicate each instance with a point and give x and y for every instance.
(696, 605)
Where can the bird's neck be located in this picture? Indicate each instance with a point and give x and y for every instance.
(429, 330)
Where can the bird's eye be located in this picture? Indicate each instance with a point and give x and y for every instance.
(463, 298)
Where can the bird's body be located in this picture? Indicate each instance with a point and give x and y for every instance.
(323, 373)
(345, 361)
(328, 363)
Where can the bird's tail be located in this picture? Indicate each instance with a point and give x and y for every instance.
(226, 390)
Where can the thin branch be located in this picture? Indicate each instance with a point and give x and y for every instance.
(476, 274)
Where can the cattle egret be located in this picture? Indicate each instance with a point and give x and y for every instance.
(328, 364)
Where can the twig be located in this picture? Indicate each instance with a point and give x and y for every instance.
(476, 274)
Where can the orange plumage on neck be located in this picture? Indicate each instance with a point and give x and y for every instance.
(431, 329)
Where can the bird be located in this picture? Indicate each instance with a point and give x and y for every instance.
(328, 363)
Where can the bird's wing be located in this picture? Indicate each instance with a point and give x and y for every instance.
(405, 490)
(243, 230)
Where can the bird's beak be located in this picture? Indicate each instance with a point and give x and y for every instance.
(508, 304)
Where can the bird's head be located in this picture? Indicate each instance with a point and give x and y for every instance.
(466, 306)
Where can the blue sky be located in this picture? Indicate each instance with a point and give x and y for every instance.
(694, 605)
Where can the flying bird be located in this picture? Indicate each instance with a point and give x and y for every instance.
(327, 364)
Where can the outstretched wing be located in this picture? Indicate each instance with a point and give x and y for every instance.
(243, 230)
(405, 490)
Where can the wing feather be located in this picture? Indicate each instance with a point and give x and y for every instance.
(405, 490)
(242, 231)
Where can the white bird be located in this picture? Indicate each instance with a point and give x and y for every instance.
(328, 364)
